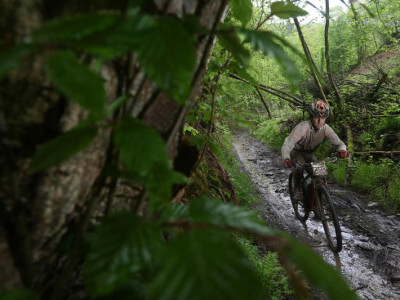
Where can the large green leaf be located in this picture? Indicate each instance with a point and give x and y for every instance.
(9, 58)
(242, 10)
(114, 41)
(120, 248)
(203, 264)
(269, 44)
(76, 81)
(144, 154)
(168, 54)
(140, 146)
(62, 147)
(230, 41)
(74, 27)
(286, 10)
(210, 211)
(318, 272)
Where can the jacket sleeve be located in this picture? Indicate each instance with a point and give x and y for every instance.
(333, 138)
(291, 140)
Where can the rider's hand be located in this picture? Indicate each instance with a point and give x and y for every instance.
(287, 163)
(343, 153)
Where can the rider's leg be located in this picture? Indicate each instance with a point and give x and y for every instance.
(297, 157)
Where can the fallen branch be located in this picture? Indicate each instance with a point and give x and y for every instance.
(295, 101)
(384, 153)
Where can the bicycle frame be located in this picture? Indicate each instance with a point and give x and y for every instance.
(316, 198)
(316, 173)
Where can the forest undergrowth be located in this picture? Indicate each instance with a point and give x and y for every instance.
(220, 176)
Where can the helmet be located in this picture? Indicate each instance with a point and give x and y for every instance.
(319, 109)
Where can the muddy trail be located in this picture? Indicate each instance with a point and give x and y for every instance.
(370, 259)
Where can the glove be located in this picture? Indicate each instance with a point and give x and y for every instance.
(287, 163)
(343, 153)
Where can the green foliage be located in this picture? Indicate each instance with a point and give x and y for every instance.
(167, 52)
(74, 28)
(381, 180)
(192, 268)
(393, 200)
(286, 10)
(121, 249)
(230, 41)
(270, 44)
(242, 10)
(209, 211)
(368, 176)
(145, 158)
(76, 81)
(338, 171)
(269, 271)
(20, 294)
(63, 147)
(272, 132)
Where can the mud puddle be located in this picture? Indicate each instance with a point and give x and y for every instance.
(370, 259)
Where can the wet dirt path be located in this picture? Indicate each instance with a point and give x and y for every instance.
(370, 259)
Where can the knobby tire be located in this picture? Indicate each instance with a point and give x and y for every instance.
(329, 219)
(301, 210)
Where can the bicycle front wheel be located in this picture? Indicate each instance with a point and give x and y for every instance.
(300, 207)
(329, 219)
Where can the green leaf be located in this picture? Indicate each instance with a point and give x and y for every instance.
(242, 10)
(114, 41)
(20, 294)
(202, 264)
(75, 27)
(76, 81)
(145, 155)
(167, 52)
(62, 147)
(209, 211)
(116, 103)
(120, 248)
(140, 146)
(230, 41)
(268, 43)
(9, 58)
(286, 10)
(316, 270)
(198, 140)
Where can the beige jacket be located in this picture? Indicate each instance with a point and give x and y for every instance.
(303, 137)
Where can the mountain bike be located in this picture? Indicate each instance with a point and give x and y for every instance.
(316, 198)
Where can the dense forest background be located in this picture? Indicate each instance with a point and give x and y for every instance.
(115, 123)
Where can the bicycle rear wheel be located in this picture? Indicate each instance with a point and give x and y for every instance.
(329, 219)
(301, 210)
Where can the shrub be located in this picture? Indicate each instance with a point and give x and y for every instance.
(268, 270)
(338, 171)
(368, 176)
(272, 132)
(394, 194)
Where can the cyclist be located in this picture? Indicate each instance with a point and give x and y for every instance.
(306, 137)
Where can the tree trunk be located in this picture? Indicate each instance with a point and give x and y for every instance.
(38, 211)
(328, 61)
(313, 67)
